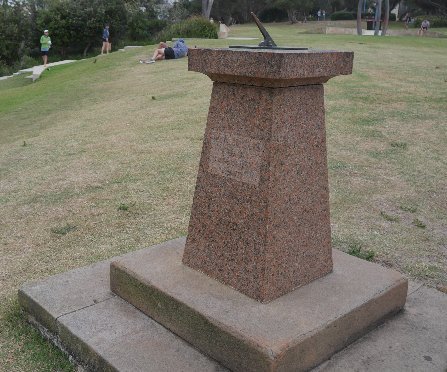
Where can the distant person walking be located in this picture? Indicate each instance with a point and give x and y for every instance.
(45, 45)
(105, 40)
(319, 14)
(407, 20)
(324, 14)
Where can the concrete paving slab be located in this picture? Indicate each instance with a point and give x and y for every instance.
(38, 70)
(102, 332)
(113, 335)
(49, 299)
(292, 333)
(415, 340)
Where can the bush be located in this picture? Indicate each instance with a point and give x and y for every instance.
(197, 27)
(273, 15)
(5, 69)
(28, 61)
(366, 15)
(371, 16)
(141, 28)
(342, 16)
(435, 21)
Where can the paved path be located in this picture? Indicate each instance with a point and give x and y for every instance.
(118, 336)
(36, 71)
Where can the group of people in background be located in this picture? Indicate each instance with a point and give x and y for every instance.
(178, 50)
(45, 44)
(321, 15)
(425, 25)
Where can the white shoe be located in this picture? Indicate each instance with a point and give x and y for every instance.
(150, 61)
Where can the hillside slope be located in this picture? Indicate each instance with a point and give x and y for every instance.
(97, 159)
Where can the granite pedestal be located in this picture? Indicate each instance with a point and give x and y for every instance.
(260, 215)
(256, 285)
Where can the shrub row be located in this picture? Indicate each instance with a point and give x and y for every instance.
(344, 15)
(435, 21)
(25, 62)
(197, 27)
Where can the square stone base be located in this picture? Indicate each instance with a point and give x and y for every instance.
(292, 333)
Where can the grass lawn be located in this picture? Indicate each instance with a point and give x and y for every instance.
(98, 159)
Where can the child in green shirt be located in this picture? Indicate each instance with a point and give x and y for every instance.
(45, 45)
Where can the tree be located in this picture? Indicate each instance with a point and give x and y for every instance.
(76, 25)
(386, 18)
(359, 17)
(431, 6)
(378, 17)
(206, 8)
(15, 31)
(294, 7)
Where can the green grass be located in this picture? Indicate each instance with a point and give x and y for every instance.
(418, 223)
(96, 139)
(63, 230)
(358, 251)
(388, 217)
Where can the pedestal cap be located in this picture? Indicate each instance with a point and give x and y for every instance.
(270, 67)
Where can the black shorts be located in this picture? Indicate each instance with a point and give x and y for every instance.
(169, 53)
(105, 40)
(425, 28)
(44, 52)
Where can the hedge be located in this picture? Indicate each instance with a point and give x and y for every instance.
(197, 27)
(435, 21)
(342, 16)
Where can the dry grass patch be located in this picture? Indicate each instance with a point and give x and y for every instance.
(101, 159)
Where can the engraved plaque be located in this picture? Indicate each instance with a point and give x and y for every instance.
(236, 157)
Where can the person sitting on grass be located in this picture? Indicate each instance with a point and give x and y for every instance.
(424, 27)
(178, 50)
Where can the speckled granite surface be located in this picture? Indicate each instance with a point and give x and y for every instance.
(260, 215)
(272, 68)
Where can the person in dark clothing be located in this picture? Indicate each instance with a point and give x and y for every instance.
(105, 40)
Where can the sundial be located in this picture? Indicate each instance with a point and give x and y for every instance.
(267, 43)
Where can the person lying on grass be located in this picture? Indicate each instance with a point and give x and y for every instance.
(178, 50)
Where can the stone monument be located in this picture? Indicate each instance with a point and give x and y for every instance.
(260, 288)
(256, 285)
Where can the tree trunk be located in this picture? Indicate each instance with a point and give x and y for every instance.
(359, 17)
(86, 49)
(291, 15)
(206, 8)
(378, 17)
(387, 17)
(21, 52)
